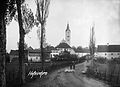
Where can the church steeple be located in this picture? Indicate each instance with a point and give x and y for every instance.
(67, 34)
(68, 27)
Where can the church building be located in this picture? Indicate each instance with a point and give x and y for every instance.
(64, 44)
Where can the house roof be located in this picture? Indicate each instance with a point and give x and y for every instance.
(108, 48)
(38, 51)
(15, 52)
(63, 45)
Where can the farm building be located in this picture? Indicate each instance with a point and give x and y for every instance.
(108, 51)
(32, 55)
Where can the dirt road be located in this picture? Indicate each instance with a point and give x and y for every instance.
(60, 78)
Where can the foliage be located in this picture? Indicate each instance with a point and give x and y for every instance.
(7, 58)
(101, 60)
(114, 61)
(10, 10)
(65, 56)
(92, 41)
(41, 16)
(42, 10)
(27, 18)
(25, 45)
(108, 71)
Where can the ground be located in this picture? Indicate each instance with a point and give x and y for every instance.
(60, 78)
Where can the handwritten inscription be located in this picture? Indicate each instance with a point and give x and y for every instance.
(35, 73)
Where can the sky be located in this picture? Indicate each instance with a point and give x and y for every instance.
(81, 15)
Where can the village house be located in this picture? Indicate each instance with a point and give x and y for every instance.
(14, 54)
(81, 53)
(31, 55)
(108, 51)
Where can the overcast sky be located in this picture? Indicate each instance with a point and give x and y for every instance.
(80, 14)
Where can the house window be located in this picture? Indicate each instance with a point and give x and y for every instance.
(118, 54)
(36, 57)
(105, 54)
(111, 53)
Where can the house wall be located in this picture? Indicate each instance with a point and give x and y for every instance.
(63, 49)
(13, 56)
(35, 57)
(52, 54)
(108, 55)
(82, 54)
(59, 50)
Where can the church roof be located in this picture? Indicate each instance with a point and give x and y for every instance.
(63, 45)
(108, 48)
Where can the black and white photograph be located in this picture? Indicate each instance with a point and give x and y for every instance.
(60, 43)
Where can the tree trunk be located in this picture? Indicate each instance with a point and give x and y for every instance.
(2, 50)
(42, 49)
(21, 44)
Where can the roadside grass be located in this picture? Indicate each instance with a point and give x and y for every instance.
(107, 71)
(12, 70)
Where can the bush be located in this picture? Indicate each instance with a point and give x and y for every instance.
(109, 71)
(101, 60)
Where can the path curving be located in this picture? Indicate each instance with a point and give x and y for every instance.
(59, 78)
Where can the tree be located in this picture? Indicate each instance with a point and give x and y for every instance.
(80, 48)
(42, 14)
(92, 42)
(25, 21)
(2, 45)
(7, 11)
(74, 48)
(27, 18)
(21, 42)
(7, 58)
(25, 45)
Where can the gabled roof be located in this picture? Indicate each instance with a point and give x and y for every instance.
(15, 52)
(63, 45)
(38, 51)
(82, 51)
(108, 48)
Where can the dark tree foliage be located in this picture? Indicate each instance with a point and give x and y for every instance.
(27, 18)
(7, 58)
(6, 12)
(65, 56)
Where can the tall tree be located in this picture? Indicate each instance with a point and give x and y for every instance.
(92, 41)
(26, 22)
(7, 11)
(2, 47)
(42, 14)
(21, 42)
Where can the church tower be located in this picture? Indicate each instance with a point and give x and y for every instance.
(67, 34)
